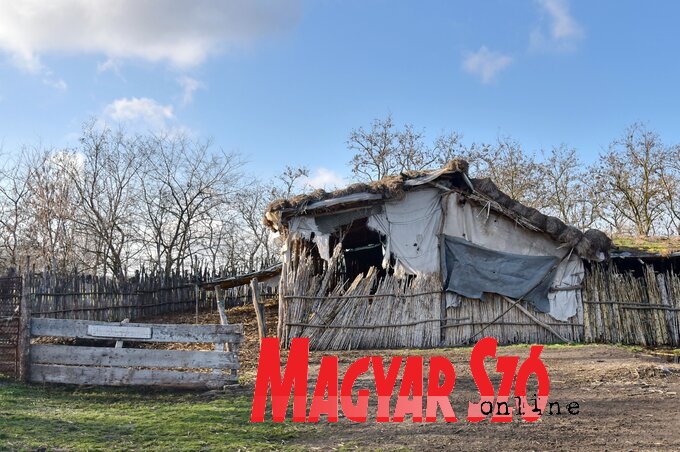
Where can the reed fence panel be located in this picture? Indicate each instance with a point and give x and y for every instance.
(620, 308)
(84, 297)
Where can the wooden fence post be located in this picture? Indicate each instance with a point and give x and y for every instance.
(221, 305)
(259, 309)
(24, 339)
(196, 294)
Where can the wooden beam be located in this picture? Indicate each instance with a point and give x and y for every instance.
(24, 338)
(160, 332)
(536, 319)
(119, 376)
(221, 295)
(131, 357)
(242, 280)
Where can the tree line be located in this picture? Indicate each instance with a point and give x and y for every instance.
(632, 187)
(117, 202)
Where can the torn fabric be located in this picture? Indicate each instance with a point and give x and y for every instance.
(411, 226)
(472, 270)
(306, 228)
(489, 229)
(330, 223)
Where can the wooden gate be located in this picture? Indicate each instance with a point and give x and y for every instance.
(113, 365)
(10, 306)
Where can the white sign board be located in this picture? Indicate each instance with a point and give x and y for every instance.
(130, 332)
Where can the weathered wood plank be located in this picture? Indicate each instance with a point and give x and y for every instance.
(132, 357)
(119, 376)
(160, 333)
(119, 331)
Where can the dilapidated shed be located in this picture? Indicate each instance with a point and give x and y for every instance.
(427, 259)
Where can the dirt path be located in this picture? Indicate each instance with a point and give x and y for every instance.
(628, 400)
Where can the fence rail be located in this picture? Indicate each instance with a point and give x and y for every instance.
(109, 366)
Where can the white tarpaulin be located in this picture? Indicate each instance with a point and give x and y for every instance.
(491, 230)
(411, 227)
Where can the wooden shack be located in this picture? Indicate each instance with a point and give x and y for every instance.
(428, 259)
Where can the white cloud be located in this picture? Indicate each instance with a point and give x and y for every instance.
(181, 32)
(485, 63)
(58, 84)
(110, 65)
(324, 178)
(189, 86)
(561, 33)
(138, 111)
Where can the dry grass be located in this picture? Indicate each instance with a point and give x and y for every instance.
(250, 349)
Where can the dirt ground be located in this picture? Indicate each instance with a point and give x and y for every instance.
(628, 400)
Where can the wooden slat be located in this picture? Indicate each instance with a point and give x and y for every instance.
(161, 333)
(118, 376)
(132, 357)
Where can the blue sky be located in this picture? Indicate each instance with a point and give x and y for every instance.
(285, 82)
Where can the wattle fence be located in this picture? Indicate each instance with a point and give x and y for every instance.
(622, 309)
(617, 307)
(85, 297)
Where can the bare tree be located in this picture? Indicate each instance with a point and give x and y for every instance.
(218, 227)
(569, 187)
(630, 175)
(386, 150)
(250, 204)
(670, 184)
(50, 206)
(373, 150)
(288, 180)
(107, 185)
(14, 191)
(513, 170)
(184, 181)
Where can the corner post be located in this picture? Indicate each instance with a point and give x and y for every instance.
(24, 339)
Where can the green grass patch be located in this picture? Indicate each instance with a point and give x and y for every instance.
(69, 418)
(660, 245)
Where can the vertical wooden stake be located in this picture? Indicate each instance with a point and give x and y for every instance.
(220, 305)
(259, 308)
(24, 339)
(443, 206)
(196, 292)
(119, 344)
(282, 300)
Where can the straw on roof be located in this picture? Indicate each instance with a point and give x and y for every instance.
(589, 245)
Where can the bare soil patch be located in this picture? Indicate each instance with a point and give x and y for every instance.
(628, 400)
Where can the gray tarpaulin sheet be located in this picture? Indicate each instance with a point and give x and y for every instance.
(472, 270)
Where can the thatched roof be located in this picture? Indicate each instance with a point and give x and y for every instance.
(641, 246)
(453, 176)
(588, 244)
